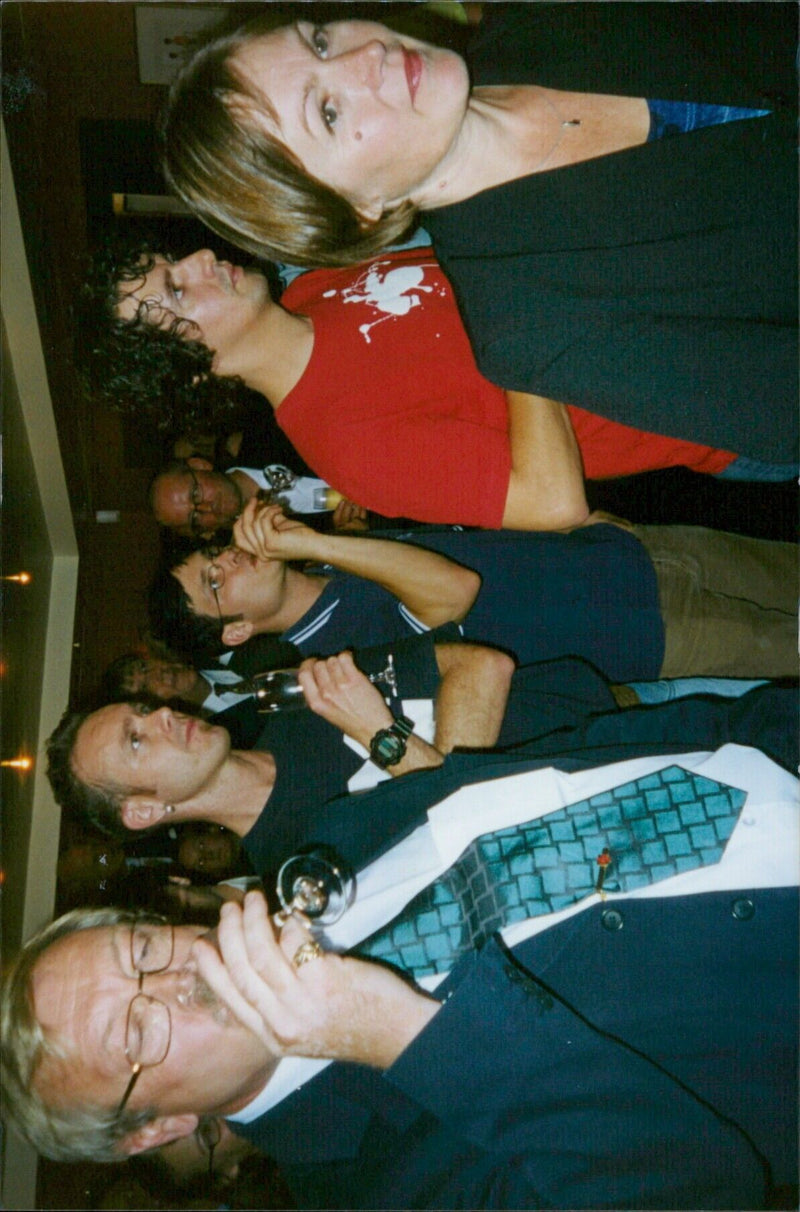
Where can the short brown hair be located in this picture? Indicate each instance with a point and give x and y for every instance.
(243, 183)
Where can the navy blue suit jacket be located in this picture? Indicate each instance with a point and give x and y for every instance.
(365, 825)
(648, 1066)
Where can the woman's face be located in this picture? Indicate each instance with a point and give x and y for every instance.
(368, 112)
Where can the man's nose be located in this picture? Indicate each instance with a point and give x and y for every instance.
(170, 987)
(162, 719)
(365, 63)
(201, 263)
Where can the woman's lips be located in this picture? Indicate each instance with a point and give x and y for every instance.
(413, 66)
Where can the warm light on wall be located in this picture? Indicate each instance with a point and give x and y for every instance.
(23, 763)
(22, 578)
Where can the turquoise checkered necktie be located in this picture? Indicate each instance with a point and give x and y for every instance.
(637, 834)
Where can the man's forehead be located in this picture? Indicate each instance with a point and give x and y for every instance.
(64, 975)
(94, 736)
(80, 987)
(177, 479)
(191, 576)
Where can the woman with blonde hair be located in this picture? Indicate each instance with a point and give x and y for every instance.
(611, 189)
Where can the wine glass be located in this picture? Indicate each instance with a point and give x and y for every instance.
(316, 882)
(280, 690)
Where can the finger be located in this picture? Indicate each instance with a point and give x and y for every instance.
(216, 976)
(347, 665)
(249, 968)
(247, 514)
(261, 973)
(277, 518)
(308, 682)
(265, 948)
(324, 673)
(243, 527)
(294, 932)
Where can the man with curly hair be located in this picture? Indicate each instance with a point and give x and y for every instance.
(135, 365)
(372, 378)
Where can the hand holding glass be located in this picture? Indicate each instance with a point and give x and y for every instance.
(280, 689)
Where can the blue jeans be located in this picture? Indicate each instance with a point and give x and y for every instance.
(743, 468)
(667, 689)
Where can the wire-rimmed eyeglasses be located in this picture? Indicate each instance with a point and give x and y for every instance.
(148, 1026)
(216, 574)
(196, 524)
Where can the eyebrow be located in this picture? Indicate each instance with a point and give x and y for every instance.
(307, 90)
(115, 946)
(112, 1024)
(204, 583)
(126, 730)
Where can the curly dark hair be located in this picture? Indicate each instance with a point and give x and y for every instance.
(159, 373)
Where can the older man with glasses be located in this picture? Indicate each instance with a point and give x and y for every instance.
(625, 1044)
(192, 498)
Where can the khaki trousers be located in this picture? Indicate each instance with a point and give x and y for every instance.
(729, 602)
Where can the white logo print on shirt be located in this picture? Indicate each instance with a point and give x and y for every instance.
(393, 293)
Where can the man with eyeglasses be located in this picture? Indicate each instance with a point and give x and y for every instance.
(192, 498)
(637, 610)
(629, 1043)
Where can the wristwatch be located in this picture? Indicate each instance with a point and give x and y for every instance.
(388, 746)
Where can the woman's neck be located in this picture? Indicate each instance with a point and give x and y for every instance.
(480, 156)
(512, 131)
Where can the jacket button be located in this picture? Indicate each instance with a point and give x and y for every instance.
(612, 919)
(743, 909)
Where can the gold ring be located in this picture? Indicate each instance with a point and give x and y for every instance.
(305, 953)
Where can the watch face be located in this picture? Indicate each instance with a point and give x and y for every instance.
(388, 745)
(387, 748)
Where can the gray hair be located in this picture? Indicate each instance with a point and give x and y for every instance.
(87, 1133)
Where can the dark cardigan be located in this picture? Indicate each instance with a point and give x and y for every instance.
(656, 286)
